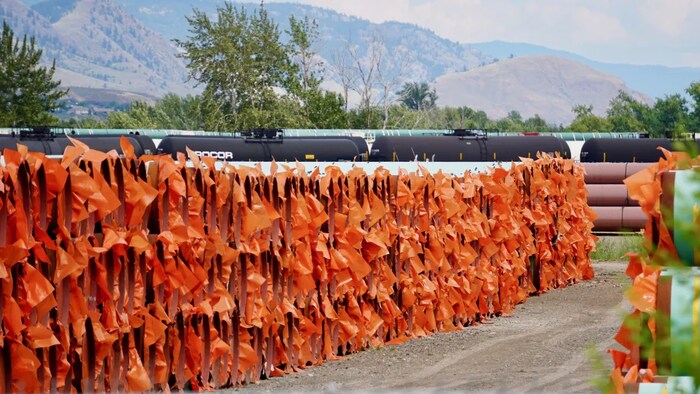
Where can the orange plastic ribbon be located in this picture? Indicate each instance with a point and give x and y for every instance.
(141, 273)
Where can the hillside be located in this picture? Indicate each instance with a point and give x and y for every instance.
(431, 55)
(99, 46)
(549, 86)
(653, 80)
(428, 54)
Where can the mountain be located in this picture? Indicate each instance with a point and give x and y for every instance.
(97, 45)
(545, 85)
(431, 55)
(428, 55)
(654, 81)
(55, 10)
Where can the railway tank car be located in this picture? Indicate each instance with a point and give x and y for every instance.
(48, 146)
(451, 148)
(142, 145)
(266, 149)
(642, 150)
(50, 142)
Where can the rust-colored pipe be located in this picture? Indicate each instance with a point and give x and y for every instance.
(633, 168)
(619, 219)
(607, 195)
(611, 173)
(604, 173)
(633, 218)
(609, 218)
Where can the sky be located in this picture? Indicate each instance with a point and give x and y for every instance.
(665, 32)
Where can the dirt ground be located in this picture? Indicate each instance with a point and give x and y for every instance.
(543, 346)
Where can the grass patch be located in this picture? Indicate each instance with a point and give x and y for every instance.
(611, 248)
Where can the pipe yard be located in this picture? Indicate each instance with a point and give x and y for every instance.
(131, 263)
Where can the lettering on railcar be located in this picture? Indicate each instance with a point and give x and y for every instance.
(221, 155)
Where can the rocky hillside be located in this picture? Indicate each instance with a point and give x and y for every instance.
(653, 80)
(427, 55)
(98, 45)
(549, 86)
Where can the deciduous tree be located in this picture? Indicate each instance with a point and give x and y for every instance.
(586, 121)
(671, 116)
(625, 114)
(343, 68)
(240, 60)
(694, 117)
(303, 35)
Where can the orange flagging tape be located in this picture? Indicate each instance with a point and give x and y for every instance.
(136, 274)
(638, 363)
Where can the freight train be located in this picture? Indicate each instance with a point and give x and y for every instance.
(268, 144)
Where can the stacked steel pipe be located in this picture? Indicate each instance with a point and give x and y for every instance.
(662, 335)
(609, 199)
(128, 274)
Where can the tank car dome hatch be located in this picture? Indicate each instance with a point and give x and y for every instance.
(465, 148)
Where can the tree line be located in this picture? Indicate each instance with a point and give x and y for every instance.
(254, 75)
(672, 116)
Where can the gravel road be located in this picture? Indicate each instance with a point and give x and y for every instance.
(542, 347)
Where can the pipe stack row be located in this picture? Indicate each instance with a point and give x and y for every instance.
(661, 337)
(134, 274)
(609, 199)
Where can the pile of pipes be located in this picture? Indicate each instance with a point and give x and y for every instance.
(662, 335)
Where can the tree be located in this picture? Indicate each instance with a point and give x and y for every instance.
(325, 110)
(139, 116)
(390, 71)
(366, 118)
(671, 116)
(28, 93)
(180, 113)
(343, 67)
(366, 69)
(625, 114)
(240, 60)
(417, 96)
(536, 123)
(171, 112)
(515, 116)
(321, 109)
(694, 117)
(507, 124)
(303, 35)
(586, 121)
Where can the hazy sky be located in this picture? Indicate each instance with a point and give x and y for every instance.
(626, 31)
